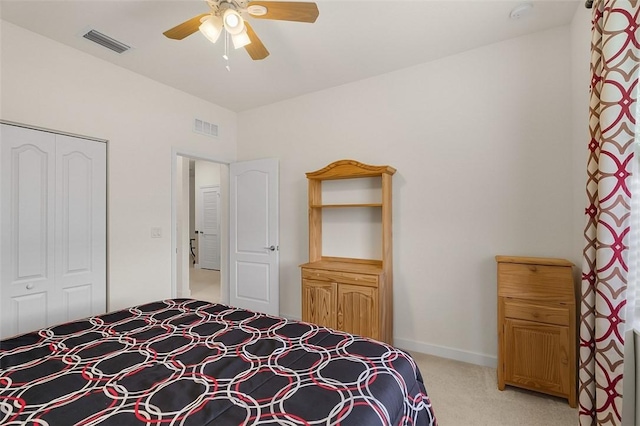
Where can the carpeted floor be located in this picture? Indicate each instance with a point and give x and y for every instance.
(467, 395)
(204, 284)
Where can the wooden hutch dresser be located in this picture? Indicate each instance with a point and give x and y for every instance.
(351, 294)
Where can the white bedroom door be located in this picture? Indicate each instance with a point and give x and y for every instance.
(253, 239)
(52, 229)
(209, 228)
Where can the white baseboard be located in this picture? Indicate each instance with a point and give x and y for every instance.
(444, 352)
(290, 317)
(441, 351)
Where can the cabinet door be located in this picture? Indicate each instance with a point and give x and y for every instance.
(358, 310)
(537, 356)
(319, 303)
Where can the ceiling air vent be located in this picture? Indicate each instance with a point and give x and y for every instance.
(205, 128)
(106, 41)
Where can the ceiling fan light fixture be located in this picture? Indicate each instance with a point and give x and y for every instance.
(211, 28)
(233, 22)
(241, 40)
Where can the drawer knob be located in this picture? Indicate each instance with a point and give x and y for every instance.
(533, 268)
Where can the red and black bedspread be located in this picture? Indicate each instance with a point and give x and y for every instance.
(188, 362)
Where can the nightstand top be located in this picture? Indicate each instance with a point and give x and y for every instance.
(534, 260)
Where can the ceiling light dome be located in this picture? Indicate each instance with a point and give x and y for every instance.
(233, 22)
(521, 11)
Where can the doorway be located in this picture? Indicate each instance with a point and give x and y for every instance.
(239, 181)
(201, 206)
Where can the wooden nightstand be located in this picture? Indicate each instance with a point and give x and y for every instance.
(537, 325)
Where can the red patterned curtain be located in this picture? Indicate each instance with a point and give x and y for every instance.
(612, 123)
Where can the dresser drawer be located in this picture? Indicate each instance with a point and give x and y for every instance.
(538, 282)
(340, 277)
(525, 310)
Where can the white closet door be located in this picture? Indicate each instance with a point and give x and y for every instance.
(27, 286)
(53, 229)
(80, 228)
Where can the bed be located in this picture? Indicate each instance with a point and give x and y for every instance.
(189, 362)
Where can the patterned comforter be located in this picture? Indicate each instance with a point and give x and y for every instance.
(188, 362)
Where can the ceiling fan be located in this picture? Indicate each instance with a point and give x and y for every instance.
(231, 16)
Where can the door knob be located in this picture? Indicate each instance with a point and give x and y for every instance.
(29, 286)
(271, 247)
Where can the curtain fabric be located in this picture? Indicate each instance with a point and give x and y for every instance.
(612, 121)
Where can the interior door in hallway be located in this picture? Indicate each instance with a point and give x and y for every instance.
(209, 234)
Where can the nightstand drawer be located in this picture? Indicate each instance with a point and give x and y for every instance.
(540, 282)
(520, 309)
(340, 277)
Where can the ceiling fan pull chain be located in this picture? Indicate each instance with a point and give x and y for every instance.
(226, 51)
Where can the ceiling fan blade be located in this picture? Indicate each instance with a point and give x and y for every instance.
(255, 49)
(286, 11)
(185, 29)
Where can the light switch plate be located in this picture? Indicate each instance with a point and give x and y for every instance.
(156, 232)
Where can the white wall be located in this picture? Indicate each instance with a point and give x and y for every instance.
(580, 79)
(47, 84)
(482, 142)
(183, 256)
(207, 173)
(192, 199)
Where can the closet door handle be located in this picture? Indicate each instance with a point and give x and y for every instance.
(29, 286)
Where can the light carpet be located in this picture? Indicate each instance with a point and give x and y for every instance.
(467, 395)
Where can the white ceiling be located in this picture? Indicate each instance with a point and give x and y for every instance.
(350, 41)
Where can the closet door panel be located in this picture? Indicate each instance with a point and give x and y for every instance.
(28, 311)
(27, 159)
(80, 228)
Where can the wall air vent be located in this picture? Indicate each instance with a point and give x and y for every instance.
(205, 128)
(106, 41)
